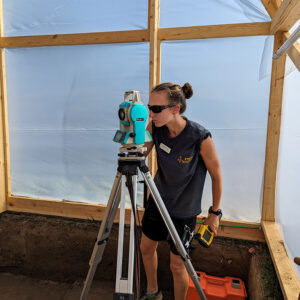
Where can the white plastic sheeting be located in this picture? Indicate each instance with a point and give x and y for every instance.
(62, 110)
(177, 13)
(230, 99)
(63, 102)
(287, 185)
(38, 17)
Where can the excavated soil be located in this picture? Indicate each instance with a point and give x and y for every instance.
(40, 253)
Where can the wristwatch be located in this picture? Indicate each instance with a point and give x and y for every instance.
(217, 213)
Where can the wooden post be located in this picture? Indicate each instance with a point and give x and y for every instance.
(273, 134)
(286, 274)
(154, 62)
(2, 146)
(4, 153)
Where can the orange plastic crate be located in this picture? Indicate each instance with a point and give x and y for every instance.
(218, 288)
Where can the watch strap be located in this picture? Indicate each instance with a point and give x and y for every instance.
(217, 212)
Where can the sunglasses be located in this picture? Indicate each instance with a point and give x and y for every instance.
(159, 108)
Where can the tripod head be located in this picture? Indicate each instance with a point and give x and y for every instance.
(133, 116)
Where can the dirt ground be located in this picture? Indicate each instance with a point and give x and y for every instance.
(45, 256)
(19, 287)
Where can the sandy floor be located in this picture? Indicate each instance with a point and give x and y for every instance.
(13, 287)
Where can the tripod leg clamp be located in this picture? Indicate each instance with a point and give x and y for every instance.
(102, 241)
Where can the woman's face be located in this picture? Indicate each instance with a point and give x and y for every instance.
(166, 115)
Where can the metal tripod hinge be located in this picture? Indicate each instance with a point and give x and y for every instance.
(124, 286)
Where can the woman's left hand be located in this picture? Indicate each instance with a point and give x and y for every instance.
(213, 222)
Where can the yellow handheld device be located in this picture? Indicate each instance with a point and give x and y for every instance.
(205, 235)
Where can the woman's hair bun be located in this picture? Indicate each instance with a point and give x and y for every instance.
(187, 90)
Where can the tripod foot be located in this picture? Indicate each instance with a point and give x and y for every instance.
(123, 296)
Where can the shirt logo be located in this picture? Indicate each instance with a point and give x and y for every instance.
(184, 160)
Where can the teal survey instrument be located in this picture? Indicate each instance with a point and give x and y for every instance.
(133, 115)
(132, 135)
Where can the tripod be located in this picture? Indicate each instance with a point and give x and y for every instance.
(128, 165)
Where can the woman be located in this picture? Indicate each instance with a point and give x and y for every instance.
(185, 151)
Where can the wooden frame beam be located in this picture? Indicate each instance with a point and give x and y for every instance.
(154, 62)
(154, 34)
(233, 229)
(214, 31)
(154, 59)
(2, 129)
(270, 6)
(4, 149)
(67, 209)
(286, 274)
(286, 16)
(276, 3)
(130, 36)
(273, 133)
(294, 52)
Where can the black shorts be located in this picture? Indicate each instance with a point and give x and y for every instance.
(154, 228)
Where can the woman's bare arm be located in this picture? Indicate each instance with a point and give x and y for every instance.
(211, 160)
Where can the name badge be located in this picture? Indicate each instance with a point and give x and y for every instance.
(165, 148)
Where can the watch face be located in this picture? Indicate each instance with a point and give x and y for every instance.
(218, 212)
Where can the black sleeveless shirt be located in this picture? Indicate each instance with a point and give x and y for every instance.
(181, 172)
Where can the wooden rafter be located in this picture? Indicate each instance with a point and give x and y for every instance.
(228, 228)
(214, 31)
(273, 134)
(75, 39)
(178, 33)
(270, 6)
(276, 3)
(286, 16)
(286, 274)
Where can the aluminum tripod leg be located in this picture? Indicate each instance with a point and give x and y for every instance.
(172, 230)
(124, 285)
(106, 224)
